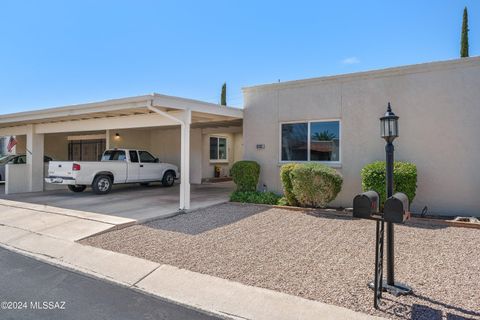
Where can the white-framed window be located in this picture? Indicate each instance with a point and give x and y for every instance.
(218, 149)
(317, 140)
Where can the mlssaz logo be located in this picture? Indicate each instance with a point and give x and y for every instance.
(47, 305)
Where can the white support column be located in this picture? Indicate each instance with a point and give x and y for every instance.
(184, 120)
(107, 139)
(35, 164)
(185, 161)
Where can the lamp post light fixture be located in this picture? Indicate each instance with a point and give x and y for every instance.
(389, 131)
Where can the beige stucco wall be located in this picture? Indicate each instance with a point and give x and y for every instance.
(165, 143)
(20, 148)
(130, 139)
(438, 108)
(234, 153)
(56, 146)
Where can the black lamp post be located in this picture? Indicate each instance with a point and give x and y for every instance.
(389, 131)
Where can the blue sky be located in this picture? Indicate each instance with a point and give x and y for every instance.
(55, 53)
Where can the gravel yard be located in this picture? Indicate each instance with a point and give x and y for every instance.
(321, 256)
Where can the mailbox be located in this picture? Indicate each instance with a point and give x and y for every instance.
(396, 208)
(365, 204)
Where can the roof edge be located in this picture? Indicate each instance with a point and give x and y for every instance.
(405, 69)
(84, 108)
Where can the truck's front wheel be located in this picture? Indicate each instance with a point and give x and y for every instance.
(102, 184)
(76, 188)
(168, 179)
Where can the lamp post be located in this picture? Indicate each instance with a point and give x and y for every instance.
(389, 131)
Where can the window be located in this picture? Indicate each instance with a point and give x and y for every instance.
(86, 150)
(311, 141)
(133, 156)
(114, 155)
(218, 149)
(146, 157)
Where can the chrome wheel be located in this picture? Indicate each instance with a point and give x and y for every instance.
(103, 184)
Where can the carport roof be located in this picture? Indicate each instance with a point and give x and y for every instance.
(202, 112)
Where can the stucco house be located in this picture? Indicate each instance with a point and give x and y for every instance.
(332, 120)
(335, 120)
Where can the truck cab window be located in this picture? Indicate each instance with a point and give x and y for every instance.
(146, 157)
(114, 155)
(133, 156)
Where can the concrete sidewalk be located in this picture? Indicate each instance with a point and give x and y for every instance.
(50, 236)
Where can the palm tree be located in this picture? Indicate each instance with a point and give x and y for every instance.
(324, 136)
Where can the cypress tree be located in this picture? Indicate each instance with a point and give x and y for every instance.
(223, 96)
(464, 44)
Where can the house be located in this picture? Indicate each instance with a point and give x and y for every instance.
(335, 120)
(332, 120)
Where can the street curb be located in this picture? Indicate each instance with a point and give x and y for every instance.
(182, 288)
(97, 276)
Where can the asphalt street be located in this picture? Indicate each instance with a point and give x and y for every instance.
(30, 289)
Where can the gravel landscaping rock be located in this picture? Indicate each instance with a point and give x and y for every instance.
(321, 256)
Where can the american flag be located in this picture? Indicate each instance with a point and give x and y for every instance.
(11, 143)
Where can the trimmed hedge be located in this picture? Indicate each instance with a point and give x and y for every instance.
(404, 179)
(315, 184)
(245, 174)
(285, 172)
(255, 197)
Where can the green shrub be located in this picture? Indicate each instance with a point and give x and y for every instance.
(315, 184)
(255, 197)
(287, 183)
(404, 179)
(245, 174)
(283, 201)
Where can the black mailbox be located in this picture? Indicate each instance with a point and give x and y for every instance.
(365, 204)
(396, 208)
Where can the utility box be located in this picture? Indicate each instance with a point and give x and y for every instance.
(396, 208)
(366, 204)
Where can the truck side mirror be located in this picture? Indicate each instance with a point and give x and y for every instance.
(157, 160)
(396, 208)
(366, 204)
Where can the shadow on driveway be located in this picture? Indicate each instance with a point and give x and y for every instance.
(130, 201)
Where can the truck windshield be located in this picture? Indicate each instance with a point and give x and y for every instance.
(114, 155)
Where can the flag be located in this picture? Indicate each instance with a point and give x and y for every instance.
(12, 143)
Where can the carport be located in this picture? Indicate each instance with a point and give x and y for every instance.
(149, 111)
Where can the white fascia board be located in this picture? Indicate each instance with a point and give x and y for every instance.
(13, 131)
(73, 110)
(164, 101)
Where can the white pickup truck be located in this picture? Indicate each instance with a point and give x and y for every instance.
(117, 166)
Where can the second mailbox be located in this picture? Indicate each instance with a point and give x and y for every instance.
(365, 204)
(396, 208)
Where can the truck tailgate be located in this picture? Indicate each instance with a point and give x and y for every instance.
(61, 169)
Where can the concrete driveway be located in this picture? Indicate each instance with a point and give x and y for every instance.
(129, 201)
